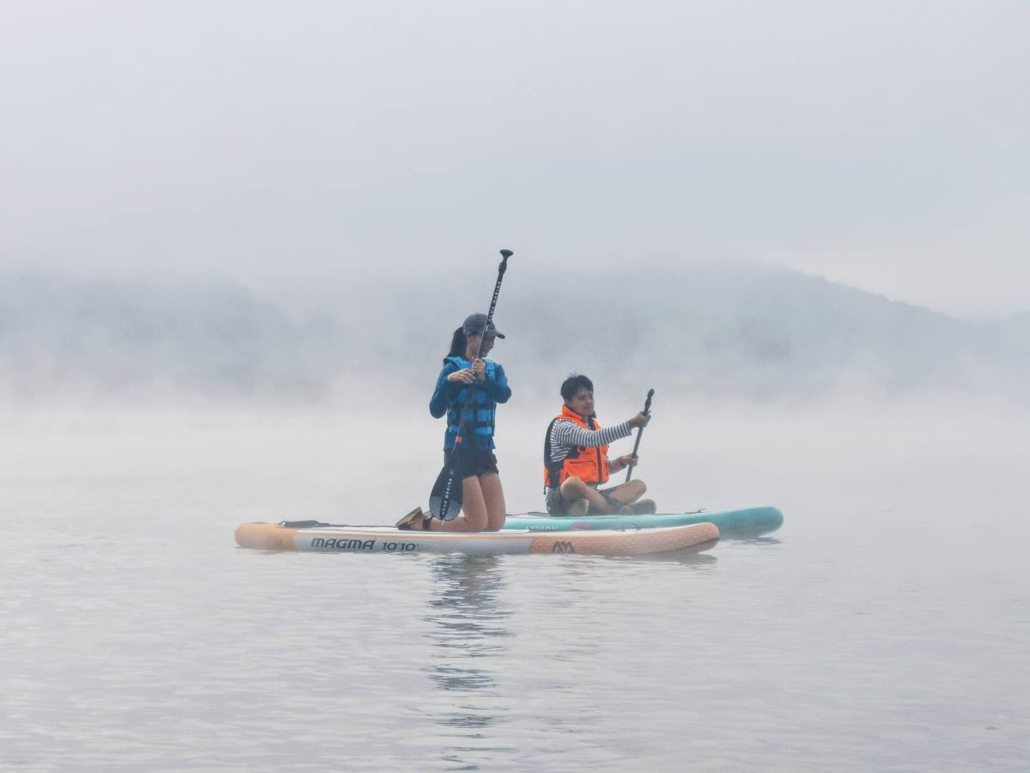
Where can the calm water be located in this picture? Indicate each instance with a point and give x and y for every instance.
(884, 627)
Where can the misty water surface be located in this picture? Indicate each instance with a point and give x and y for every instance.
(883, 627)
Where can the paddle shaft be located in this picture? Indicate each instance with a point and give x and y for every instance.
(636, 445)
(505, 254)
(451, 493)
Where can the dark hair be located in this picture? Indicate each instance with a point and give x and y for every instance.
(573, 384)
(458, 343)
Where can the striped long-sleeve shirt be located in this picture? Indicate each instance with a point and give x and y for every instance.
(567, 435)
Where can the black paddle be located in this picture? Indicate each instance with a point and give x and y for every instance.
(636, 446)
(446, 496)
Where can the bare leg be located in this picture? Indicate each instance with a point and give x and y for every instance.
(493, 494)
(629, 492)
(574, 488)
(473, 510)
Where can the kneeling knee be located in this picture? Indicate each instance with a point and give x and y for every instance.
(572, 485)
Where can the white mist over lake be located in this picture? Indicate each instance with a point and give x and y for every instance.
(375, 461)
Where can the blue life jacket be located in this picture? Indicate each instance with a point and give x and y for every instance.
(479, 420)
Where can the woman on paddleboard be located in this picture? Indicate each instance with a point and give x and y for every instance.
(482, 496)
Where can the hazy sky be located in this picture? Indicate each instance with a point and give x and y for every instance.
(882, 144)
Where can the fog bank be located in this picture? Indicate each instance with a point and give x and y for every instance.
(702, 330)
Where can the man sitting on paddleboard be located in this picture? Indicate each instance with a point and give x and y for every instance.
(576, 459)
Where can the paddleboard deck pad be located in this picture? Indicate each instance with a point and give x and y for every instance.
(326, 538)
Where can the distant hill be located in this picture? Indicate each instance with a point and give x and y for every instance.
(111, 337)
(708, 330)
(740, 330)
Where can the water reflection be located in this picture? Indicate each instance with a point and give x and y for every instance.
(685, 556)
(469, 642)
(755, 540)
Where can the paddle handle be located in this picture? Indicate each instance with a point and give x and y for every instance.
(636, 445)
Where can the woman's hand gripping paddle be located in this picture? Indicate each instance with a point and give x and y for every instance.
(636, 445)
(446, 496)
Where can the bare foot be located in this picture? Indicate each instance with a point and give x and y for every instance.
(578, 508)
(644, 507)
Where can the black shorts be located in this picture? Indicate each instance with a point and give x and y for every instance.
(473, 462)
(554, 503)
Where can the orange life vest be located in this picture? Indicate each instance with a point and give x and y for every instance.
(590, 465)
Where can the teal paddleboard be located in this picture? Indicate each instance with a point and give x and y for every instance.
(748, 521)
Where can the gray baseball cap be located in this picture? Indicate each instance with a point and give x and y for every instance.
(476, 323)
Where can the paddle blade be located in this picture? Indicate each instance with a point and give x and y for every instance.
(445, 499)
